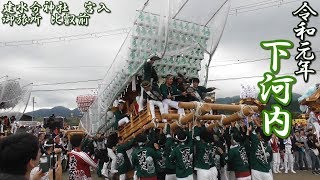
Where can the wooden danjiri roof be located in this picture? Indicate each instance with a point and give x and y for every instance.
(313, 101)
(254, 102)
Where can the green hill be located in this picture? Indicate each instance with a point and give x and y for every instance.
(58, 111)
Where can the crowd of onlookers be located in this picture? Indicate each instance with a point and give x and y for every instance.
(300, 151)
(236, 151)
(37, 153)
(5, 124)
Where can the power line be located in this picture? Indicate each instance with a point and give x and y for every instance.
(89, 66)
(255, 4)
(242, 62)
(265, 7)
(253, 60)
(65, 67)
(95, 80)
(48, 40)
(70, 82)
(71, 89)
(249, 77)
(68, 38)
(115, 58)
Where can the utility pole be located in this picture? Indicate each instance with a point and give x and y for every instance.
(33, 108)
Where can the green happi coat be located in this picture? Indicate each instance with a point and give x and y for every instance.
(183, 156)
(143, 160)
(123, 162)
(161, 162)
(237, 156)
(213, 156)
(165, 90)
(258, 160)
(204, 152)
(202, 91)
(119, 115)
(169, 146)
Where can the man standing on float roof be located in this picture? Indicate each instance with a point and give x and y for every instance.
(150, 73)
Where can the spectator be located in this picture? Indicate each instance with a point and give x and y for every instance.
(6, 122)
(101, 153)
(313, 144)
(58, 144)
(41, 139)
(1, 127)
(111, 144)
(12, 119)
(288, 156)
(19, 154)
(303, 165)
(48, 146)
(275, 145)
(79, 161)
(295, 146)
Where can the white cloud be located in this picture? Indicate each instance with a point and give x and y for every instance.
(240, 40)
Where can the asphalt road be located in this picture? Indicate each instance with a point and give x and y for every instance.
(300, 175)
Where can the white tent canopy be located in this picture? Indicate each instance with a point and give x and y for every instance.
(14, 96)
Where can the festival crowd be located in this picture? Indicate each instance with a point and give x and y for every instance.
(237, 151)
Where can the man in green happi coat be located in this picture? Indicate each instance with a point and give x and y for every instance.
(182, 155)
(123, 162)
(144, 158)
(204, 157)
(260, 155)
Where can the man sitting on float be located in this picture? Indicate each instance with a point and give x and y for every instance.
(183, 85)
(152, 95)
(169, 91)
(200, 91)
(121, 116)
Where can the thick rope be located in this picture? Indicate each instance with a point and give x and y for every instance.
(165, 128)
(251, 109)
(221, 120)
(178, 123)
(240, 113)
(198, 108)
(179, 120)
(196, 114)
